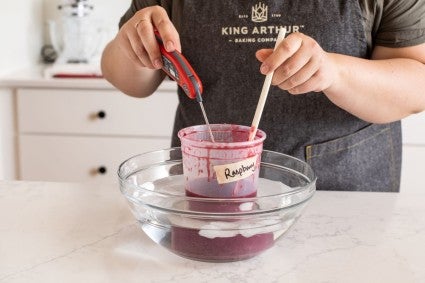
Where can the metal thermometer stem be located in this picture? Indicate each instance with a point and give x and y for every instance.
(199, 99)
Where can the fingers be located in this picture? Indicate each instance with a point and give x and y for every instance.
(148, 46)
(299, 65)
(167, 30)
(314, 83)
(298, 68)
(323, 78)
(285, 50)
(263, 54)
(128, 49)
(139, 51)
(300, 77)
(137, 37)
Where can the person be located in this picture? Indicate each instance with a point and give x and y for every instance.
(344, 76)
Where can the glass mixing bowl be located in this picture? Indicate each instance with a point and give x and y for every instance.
(214, 229)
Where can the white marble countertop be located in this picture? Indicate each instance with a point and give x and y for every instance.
(64, 232)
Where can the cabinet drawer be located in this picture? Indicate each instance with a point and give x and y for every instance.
(78, 159)
(95, 112)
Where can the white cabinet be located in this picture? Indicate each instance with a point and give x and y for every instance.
(95, 112)
(84, 134)
(79, 158)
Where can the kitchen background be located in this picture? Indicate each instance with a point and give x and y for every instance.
(35, 136)
(23, 31)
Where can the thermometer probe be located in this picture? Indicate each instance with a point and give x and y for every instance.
(176, 66)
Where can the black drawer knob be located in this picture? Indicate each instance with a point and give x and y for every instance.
(101, 114)
(102, 170)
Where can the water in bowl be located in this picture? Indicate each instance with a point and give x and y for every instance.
(205, 238)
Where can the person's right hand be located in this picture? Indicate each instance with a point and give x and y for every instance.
(137, 40)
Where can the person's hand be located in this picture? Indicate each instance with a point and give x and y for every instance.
(137, 40)
(300, 65)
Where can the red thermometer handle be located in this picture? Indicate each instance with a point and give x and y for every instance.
(176, 66)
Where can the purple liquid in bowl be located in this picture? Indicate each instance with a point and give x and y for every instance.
(191, 243)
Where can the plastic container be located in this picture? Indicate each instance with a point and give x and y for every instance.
(226, 168)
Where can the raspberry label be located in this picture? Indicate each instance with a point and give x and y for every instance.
(235, 171)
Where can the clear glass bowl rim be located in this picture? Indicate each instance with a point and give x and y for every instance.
(305, 191)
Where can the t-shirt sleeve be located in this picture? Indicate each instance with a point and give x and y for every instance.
(136, 5)
(402, 23)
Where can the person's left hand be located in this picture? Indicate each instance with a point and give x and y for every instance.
(300, 65)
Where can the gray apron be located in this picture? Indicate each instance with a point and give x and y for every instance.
(220, 39)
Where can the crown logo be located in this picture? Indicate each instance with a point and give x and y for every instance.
(259, 13)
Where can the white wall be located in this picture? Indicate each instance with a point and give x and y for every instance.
(19, 48)
(22, 34)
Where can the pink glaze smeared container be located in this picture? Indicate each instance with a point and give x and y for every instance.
(227, 168)
(231, 147)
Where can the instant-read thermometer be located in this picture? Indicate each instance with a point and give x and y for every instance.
(176, 66)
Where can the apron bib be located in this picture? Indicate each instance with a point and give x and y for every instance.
(220, 39)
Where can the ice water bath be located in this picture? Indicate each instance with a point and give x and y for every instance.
(208, 228)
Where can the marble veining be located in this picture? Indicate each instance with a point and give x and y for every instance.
(69, 232)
